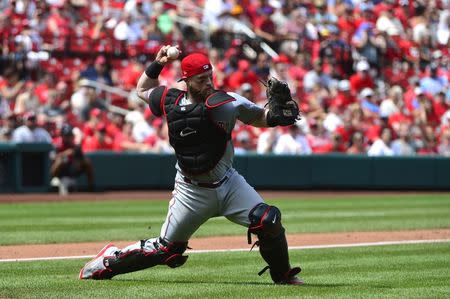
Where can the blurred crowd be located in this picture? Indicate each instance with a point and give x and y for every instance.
(371, 77)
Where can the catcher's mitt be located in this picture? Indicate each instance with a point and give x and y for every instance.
(283, 110)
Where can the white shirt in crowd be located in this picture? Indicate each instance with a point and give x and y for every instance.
(266, 141)
(379, 148)
(288, 145)
(23, 134)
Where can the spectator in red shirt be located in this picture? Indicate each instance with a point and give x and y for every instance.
(361, 79)
(398, 74)
(95, 117)
(99, 142)
(441, 104)
(265, 27)
(318, 139)
(124, 141)
(344, 96)
(57, 23)
(347, 22)
(116, 125)
(243, 75)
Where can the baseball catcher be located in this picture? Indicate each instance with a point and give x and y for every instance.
(283, 110)
(200, 120)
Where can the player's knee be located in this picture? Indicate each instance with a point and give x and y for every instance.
(265, 221)
(173, 256)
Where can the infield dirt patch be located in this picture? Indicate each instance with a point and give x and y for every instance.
(235, 242)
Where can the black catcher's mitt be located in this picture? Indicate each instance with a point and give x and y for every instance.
(283, 110)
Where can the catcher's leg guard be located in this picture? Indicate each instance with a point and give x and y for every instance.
(265, 222)
(145, 254)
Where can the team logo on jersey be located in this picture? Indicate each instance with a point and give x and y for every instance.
(223, 125)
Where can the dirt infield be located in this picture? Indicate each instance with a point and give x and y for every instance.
(167, 194)
(79, 249)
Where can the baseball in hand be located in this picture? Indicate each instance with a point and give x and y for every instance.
(173, 52)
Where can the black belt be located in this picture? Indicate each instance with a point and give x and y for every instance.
(206, 185)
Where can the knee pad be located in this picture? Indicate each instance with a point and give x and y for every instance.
(265, 221)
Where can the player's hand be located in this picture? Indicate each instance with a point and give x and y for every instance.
(162, 56)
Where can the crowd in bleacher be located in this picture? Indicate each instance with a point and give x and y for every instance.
(371, 77)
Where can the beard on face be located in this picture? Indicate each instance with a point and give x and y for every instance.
(200, 95)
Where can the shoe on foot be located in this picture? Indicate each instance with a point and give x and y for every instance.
(95, 268)
(289, 278)
(294, 280)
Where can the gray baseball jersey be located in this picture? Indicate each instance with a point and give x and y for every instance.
(192, 205)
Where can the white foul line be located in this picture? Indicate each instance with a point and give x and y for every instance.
(52, 258)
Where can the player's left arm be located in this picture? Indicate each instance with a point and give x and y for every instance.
(261, 121)
(248, 112)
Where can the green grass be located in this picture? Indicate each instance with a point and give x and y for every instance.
(130, 220)
(405, 271)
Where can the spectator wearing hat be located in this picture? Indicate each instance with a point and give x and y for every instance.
(362, 78)
(369, 103)
(344, 96)
(280, 69)
(30, 131)
(99, 71)
(243, 75)
(69, 162)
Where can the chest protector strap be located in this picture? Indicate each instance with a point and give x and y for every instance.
(198, 141)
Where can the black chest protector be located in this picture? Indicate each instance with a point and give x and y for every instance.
(199, 142)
